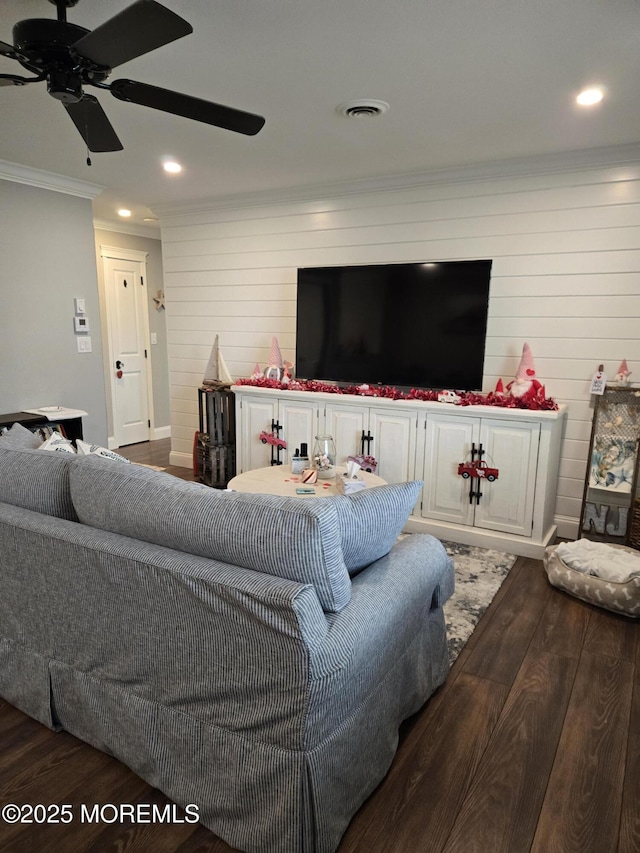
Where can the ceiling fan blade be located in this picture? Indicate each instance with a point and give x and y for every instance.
(138, 29)
(187, 106)
(93, 125)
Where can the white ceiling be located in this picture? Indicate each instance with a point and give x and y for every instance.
(468, 83)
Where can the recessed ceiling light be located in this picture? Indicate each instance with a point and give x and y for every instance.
(172, 167)
(589, 97)
(124, 212)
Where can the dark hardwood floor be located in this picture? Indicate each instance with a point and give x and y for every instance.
(533, 744)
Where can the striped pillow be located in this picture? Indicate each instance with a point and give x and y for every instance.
(287, 537)
(38, 481)
(371, 520)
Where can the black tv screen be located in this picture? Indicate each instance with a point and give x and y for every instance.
(408, 325)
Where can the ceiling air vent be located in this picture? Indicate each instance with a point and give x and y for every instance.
(363, 108)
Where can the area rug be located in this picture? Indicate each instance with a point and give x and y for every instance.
(479, 575)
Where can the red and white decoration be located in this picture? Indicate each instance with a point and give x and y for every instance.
(525, 386)
(623, 374)
(467, 398)
(524, 392)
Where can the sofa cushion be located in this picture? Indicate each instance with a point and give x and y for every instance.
(37, 481)
(287, 537)
(371, 520)
(19, 437)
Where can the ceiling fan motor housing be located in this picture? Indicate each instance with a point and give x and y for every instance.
(45, 46)
(64, 87)
(43, 41)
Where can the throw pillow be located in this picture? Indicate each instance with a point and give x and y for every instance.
(19, 437)
(37, 481)
(86, 449)
(371, 520)
(287, 537)
(57, 442)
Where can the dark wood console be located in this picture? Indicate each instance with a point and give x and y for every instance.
(72, 427)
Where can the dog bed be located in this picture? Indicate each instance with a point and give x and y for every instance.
(599, 573)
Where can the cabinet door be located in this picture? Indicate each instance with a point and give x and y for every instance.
(299, 421)
(394, 444)
(255, 415)
(345, 423)
(448, 442)
(507, 503)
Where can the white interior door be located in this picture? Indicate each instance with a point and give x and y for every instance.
(129, 365)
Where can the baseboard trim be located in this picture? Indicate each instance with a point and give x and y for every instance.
(154, 435)
(568, 527)
(182, 460)
(161, 432)
(508, 542)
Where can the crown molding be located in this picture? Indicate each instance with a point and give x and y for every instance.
(566, 161)
(47, 180)
(134, 229)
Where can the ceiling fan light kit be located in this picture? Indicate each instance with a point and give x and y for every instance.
(69, 57)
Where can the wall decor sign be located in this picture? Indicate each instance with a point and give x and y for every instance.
(611, 481)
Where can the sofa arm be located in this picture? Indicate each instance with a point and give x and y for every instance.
(387, 650)
(390, 603)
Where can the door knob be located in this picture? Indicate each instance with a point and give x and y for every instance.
(119, 364)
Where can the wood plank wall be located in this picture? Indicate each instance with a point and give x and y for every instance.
(565, 278)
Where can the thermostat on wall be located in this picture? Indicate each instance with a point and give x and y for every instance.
(81, 324)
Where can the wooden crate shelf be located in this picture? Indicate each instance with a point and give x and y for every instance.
(215, 443)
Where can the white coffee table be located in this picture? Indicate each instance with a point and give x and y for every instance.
(278, 480)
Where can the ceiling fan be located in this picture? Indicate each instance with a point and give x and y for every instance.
(70, 57)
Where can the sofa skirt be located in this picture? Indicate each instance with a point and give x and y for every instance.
(25, 682)
(255, 796)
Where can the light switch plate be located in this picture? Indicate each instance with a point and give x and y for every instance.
(80, 306)
(84, 344)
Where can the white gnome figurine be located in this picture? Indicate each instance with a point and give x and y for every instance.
(525, 386)
(623, 374)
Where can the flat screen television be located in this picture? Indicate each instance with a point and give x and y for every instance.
(408, 325)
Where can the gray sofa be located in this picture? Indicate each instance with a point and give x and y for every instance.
(250, 654)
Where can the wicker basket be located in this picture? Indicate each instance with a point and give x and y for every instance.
(634, 530)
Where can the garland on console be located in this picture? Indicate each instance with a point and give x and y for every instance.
(538, 402)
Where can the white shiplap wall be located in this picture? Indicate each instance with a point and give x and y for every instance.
(565, 278)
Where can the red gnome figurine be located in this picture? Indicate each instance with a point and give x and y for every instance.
(525, 386)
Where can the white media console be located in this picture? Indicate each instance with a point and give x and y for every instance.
(427, 441)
